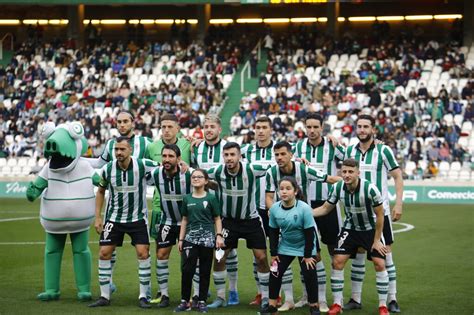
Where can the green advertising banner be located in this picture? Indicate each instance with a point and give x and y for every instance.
(435, 194)
(411, 194)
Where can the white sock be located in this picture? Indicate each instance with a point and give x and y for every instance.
(112, 261)
(162, 275)
(337, 285)
(392, 278)
(357, 276)
(287, 285)
(105, 271)
(144, 276)
(196, 280)
(232, 264)
(219, 282)
(382, 286)
(321, 282)
(264, 278)
(255, 276)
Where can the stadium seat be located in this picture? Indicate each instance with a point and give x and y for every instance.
(409, 167)
(458, 119)
(465, 175)
(448, 119)
(262, 92)
(12, 162)
(466, 126)
(309, 72)
(3, 162)
(455, 166)
(25, 171)
(6, 171)
(443, 168)
(22, 161)
(31, 162)
(272, 91)
(423, 164)
(453, 175)
(463, 141)
(16, 170)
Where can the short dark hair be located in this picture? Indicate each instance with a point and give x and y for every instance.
(283, 144)
(264, 119)
(231, 145)
(122, 139)
(169, 117)
(173, 147)
(316, 116)
(351, 163)
(128, 113)
(366, 117)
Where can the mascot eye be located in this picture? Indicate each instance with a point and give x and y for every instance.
(47, 130)
(76, 130)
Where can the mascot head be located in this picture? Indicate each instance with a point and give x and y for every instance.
(64, 144)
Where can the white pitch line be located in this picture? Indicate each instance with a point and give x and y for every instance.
(17, 219)
(407, 227)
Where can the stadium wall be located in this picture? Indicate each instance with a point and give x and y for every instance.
(414, 192)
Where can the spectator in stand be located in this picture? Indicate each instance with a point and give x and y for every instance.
(432, 170)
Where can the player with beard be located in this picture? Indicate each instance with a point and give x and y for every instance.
(172, 185)
(169, 135)
(260, 153)
(237, 185)
(206, 155)
(126, 213)
(139, 144)
(322, 155)
(377, 162)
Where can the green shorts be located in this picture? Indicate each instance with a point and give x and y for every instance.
(155, 218)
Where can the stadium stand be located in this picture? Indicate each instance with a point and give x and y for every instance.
(57, 83)
(420, 90)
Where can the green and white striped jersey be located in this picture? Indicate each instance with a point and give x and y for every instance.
(303, 174)
(208, 156)
(374, 166)
(264, 156)
(236, 193)
(323, 158)
(358, 206)
(172, 191)
(127, 198)
(138, 144)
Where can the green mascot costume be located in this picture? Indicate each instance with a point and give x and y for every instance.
(66, 184)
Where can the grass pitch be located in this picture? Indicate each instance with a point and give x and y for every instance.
(434, 264)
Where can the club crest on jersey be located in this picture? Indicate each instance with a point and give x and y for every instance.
(295, 217)
(205, 203)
